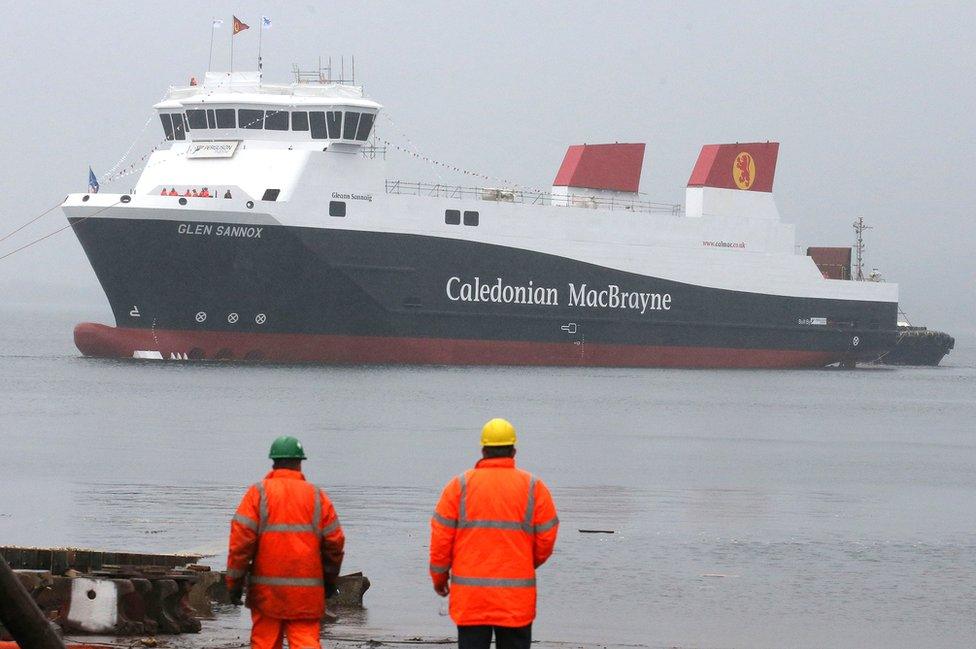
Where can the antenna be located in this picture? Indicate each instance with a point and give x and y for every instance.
(859, 229)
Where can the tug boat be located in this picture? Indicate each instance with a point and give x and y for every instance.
(305, 250)
(918, 346)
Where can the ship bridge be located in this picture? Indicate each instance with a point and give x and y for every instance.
(236, 106)
(240, 138)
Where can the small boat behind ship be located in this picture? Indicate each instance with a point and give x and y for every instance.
(914, 345)
(918, 346)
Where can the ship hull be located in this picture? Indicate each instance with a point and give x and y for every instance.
(97, 340)
(288, 294)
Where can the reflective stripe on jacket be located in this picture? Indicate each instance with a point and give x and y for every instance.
(286, 537)
(494, 525)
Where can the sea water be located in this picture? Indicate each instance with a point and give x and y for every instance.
(748, 508)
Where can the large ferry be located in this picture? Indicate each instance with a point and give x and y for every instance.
(303, 249)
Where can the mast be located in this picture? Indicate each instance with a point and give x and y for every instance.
(859, 229)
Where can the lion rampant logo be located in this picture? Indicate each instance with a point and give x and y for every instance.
(744, 170)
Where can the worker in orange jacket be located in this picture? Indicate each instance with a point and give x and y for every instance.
(494, 525)
(286, 540)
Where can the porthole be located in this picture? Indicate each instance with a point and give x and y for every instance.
(471, 218)
(182, 201)
(125, 198)
(452, 217)
(84, 199)
(250, 205)
(337, 208)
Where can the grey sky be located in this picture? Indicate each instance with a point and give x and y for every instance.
(873, 105)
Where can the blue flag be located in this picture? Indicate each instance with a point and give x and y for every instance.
(92, 182)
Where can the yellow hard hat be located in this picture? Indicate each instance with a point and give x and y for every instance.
(498, 432)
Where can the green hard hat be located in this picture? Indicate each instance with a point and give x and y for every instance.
(287, 448)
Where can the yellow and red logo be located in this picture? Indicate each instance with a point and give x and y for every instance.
(744, 170)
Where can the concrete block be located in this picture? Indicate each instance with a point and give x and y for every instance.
(97, 606)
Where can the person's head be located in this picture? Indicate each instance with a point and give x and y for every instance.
(287, 453)
(498, 439)
(287, 463)
(489, 452)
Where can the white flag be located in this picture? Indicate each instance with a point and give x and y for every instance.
(217, 23)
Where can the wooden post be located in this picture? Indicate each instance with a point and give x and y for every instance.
(21, 616)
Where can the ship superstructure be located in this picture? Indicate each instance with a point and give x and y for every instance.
(306, 250)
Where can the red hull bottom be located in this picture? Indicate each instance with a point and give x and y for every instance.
(115, 342)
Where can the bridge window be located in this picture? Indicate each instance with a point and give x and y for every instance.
(471, 218)
(225, 118)
(276, 120)
(365, 124)
(299, 121)
(250, 118)
(352, 121)
(334, 118)
(179, 126)
(211, 119)
(197, 119)
(167, 125)
(316, 119)
(337, 208)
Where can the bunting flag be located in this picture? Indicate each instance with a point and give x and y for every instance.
(239, 26)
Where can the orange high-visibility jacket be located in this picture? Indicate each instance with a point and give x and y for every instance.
(494, 525)
(286, 537)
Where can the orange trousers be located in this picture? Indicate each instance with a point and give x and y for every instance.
(269, 632)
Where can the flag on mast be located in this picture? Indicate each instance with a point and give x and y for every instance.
(265, 22)
(239, 26)
(217, 22)
(92, 181)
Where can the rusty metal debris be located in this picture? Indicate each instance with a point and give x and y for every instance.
(83, 593)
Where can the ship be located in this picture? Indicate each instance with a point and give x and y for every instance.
(266, 228)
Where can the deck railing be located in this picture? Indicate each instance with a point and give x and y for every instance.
(527, 196)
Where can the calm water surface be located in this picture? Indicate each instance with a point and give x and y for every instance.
(837, 507)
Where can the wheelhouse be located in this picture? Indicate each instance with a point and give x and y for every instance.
(239, 107)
